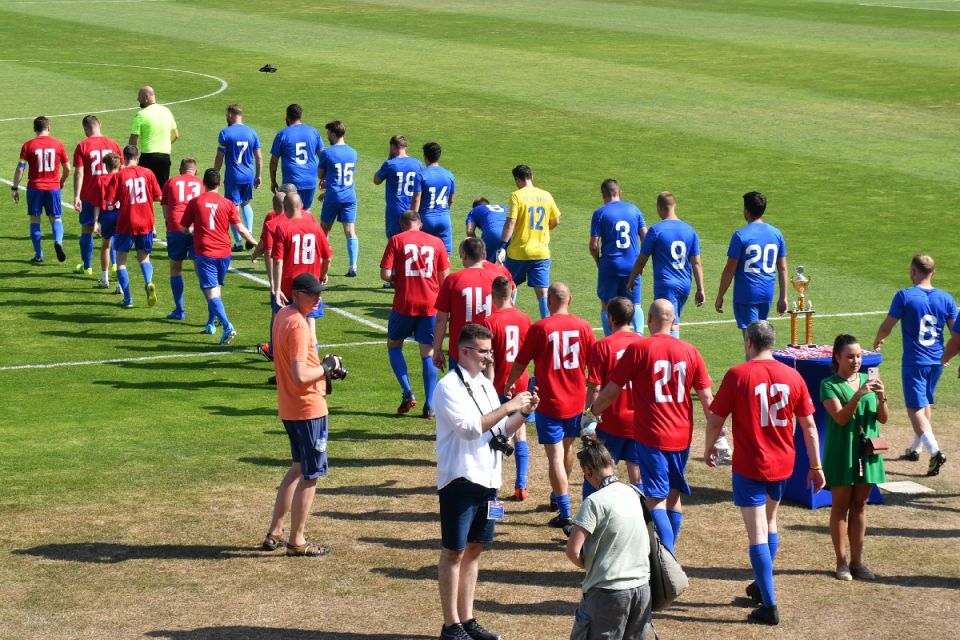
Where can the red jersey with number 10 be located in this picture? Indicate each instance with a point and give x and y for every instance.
(302, 245)
(89, 155)
(467, 297)
(617, 420)
(559, 346)
(417, 259)
(43, 155)
(136, 189)
(509, 328)
(211, 216)
(763, 396)
(178, 191)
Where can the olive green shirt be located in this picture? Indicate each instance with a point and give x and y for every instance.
(154, 125)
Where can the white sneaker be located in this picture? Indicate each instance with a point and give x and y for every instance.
(102, 284)
(724, 457)
(119, 290)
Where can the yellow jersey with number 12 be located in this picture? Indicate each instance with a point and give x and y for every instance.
(534, 210)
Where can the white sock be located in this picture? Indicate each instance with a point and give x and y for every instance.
(917, 443)
(931, 441)
(105, 276)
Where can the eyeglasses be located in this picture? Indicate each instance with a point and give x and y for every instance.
(482, 352)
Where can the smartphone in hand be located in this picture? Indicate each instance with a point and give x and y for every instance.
(873, 373)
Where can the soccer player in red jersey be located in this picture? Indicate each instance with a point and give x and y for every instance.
(264, 248)
(88, 164)
(46, 157)
(105, 213)
(559, 345)
(662, 371)
(178, 191)
(509, 327)
(136, 189)
(763, 396)
(416, 264)
(465, 298)
(210, 216)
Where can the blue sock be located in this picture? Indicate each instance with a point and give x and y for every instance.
(763, 572)
(215, 305)
(236, 236)
(553, 498)
(587, 489)
(353, 251)
(564, 503)
(123, 279)
(676, 521)
(247, 212)
(662, 522)
(176, 286)
(638, 318)
(544, 310)
(57, 226)
(399, 366)
(113, 253)
(675, 334)
(35, 235)
(521, 455)
(86, 249)
(605, 323)
(147, 269)
(429, 378)
(773, 543)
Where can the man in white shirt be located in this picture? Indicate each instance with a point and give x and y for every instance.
(472, 426)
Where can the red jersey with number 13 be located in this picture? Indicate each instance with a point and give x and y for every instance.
(89, 155)
(301, 244)
(617, 420)
(417, 260)
(43, 155)
(178, 191)
(211, 216)
(509, 328)
(136, 189)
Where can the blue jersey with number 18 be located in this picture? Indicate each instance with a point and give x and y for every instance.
(671, 244)
(238, 143)
(401, 178)
(757, 246)
(618, 226)
(436, 187)
(339, 162)
(923, 314)
(298, 147)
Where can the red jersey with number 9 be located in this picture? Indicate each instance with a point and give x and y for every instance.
(559, 346)
(617, 420)
(417, 259)
(763, 396)
(467, 297)
(136, 189)
(509, 328)
(302, 245)
(178, 191)
(89, 154)
(211, 216)
(43, 155)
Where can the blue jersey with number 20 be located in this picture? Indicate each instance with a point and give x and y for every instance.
(757, 246)
(671, 244)
(618, 225)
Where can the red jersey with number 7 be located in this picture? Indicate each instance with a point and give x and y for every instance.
(763, 396)
(559, 346)
(136, 189)
(617, 420)
(417, 259)
(211, 216)
(302, 245)
(178, 191)
(467, 297)
(509, 328)
(43, 155)
(89, 154)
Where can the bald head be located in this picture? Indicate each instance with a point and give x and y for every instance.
(660, 316)
(278, 199)
(292, 205)
(146, 96)
(558, 297)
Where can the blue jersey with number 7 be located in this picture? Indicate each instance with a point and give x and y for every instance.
(238, 143)
(757, 247)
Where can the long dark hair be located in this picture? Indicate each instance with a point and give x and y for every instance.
(842, 340)
(593, 454)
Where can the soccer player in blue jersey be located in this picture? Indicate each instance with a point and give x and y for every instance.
(437, 188)
(616, 231)
(401, 176)
(337, 164)
(923, 311)
(756, 258)
(675, 249)
(239, 145)
(489, 218)
(296, 149)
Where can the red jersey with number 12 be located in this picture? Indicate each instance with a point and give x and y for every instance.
(302, 245)
(763, 396)
(467, 297)
(89, 155)
(417, 260)
(559, 346)
(211, 216)
(136, 189)
(178, 191)
(43, 155)
(509, 328)
(617, 420)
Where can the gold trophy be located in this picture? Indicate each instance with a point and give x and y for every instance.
(801, 306)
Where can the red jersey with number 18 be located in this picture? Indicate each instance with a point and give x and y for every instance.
(211, 216)
(559, 346)
(467, 297)
(178, 191)
(136, 189)
(763, 396)
(417, 260)
(617, 420)
(509, 328)
(302, 245)
(43, 155)
(89, 154)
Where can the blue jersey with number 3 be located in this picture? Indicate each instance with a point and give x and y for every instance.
(298, 147)
(401, 178)
(671, 244)
(618, 225)
(339, 162)
(238, 143)
(922, 313)
(757, 246)
(436, 187)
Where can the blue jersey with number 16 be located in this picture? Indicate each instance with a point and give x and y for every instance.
(238, 143)
(339, 162)
(757, 246)
(671, 244)
(618, 225)
(401, 179)
(298, 147)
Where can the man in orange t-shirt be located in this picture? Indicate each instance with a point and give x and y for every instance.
(302, 407)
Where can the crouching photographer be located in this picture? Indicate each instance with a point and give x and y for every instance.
(472, 433)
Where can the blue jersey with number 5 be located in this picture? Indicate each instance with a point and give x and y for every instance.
(238, 143)
(618, 226)
(436, 187)
(401, 178)
(922, 313)
(298, 147)
(757, 246)
(671, 244)
(339, 162)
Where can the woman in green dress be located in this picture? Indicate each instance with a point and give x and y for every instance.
(856, 408)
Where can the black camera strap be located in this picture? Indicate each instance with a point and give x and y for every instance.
(466, 385)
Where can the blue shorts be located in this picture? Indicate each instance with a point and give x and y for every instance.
(319, 312)
(919, 384)
(307, 195)
(677, 298)
(391, 224)
(619, 448)
(108, 224)
(212, 272)
(179, 246)
(748, 313)
(142, 242)
(536, 273)
(86, 214)
(333, 211)
(440, 227)
(663, 471)
(753, 493)
(554, 430)
(239, 193)
(463, 514)
(39, 201)
(401, 327)
(305, 436)
(611, 286)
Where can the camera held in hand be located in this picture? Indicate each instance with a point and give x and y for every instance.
(501, 443)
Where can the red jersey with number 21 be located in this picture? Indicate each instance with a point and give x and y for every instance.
(509, 328)
(467, 297)
(211, 216)
(559, 346)
(617, 420)
(136, 189)
(417, 260)
(763, 396)
(89, 155)
(302, 245)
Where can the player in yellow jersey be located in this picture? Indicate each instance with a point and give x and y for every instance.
(525, 241)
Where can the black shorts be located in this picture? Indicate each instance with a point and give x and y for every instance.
(159, 163)
(463, 514)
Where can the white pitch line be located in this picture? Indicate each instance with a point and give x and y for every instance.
(901, 6)
(704, 323)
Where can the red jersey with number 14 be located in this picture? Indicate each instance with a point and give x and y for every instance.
(89, 154)
(43, 155)
(417, 259)
(178, 191)
(136, 189)
(302, 245)
(617, 420)
(559, 346)
(467, 297)
(763, 396)
(211, 216)
(664, 371)
(509, 328)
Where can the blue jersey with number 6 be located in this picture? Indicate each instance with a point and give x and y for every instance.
(757, 246)
(238, 143)
(401, 178)
(339, 162)
(436, 187)
(489, 218)
(298, 147)
(671, 244)
(618, 225)
(922, 313)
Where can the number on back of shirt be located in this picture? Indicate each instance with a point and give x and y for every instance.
(212, 217)
(300, 153)
(622, 229)
(512, 332)
(474, 302)
(438, 200)
(194, 190)
(663, 370)
(765, 257)
(344, 173)
(96, 162)
(928, 330)
(780, 395)
(566, 349)
(619, 355)
(46, 159)
(415, 257)
(242, 146)
(137, 188)
(405, 183)
(536, 215)
(304, 248)
(678, 251)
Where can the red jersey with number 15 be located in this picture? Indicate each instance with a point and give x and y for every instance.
(617, 420)
(417, 259)
(763, 396)
(509, 328)
(302, 245)
(211, 216)
(43, 155)
(178, 191)
(467, 297)
(89, 154)
(136, 189)
(559, 346)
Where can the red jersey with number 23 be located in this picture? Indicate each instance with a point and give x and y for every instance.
(417, 260)
(211, 216)
(467, 297)
(43, 155)
(302, 245)
(136, 189)
(509, 328)
(89, 154)
(178, 191)
(763, 396)
(559, 346)
(617, 420)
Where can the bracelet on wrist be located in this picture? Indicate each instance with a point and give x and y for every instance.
(816, 468)
(525, 414)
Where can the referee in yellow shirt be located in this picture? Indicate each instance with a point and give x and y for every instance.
(154, 131)
(525, 242)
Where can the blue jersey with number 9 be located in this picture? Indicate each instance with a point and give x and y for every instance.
(757, 246)
(671, 244)
(618, 226)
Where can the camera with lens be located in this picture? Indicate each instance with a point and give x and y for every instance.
(333, 369)
(501, 443)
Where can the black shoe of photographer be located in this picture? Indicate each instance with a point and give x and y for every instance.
(476, 631)
(454, 632)
(765, 615)
(428, 413)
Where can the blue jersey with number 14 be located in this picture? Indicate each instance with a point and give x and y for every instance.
(238, 143)
(618, 225)
(339, 162)
(923, 314)
(401, 179)
(436, 187)
(298, 147)
(671, 244)
(757, 246)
